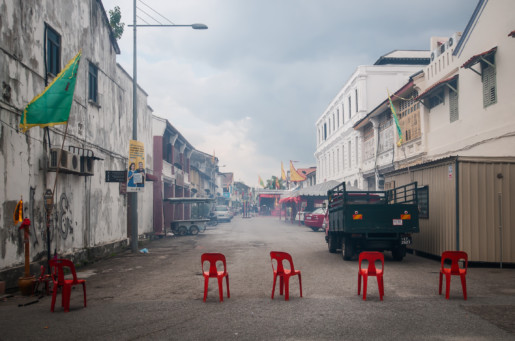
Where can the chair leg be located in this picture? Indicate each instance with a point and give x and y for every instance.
(365, 281)
(359, 284)
(464, 286)
(447, 285)
(440, 285)
(221, 288)
(54, 295)
(66, 294)
(380, 286)
(273, 288)
(300, 285)
(286, 288)
(227, 283)
(281, 285)
(206, 284)
(84, 290)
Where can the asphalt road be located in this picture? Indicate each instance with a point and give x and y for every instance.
(159, 295)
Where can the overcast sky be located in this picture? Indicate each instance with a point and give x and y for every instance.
(251, 87)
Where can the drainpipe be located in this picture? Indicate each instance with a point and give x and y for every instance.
(457, 186)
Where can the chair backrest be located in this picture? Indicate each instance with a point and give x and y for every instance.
(371, 257)
(455, 257)
(279, 257)
(212, 258)
(58, 265)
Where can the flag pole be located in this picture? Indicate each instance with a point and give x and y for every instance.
(50, 201)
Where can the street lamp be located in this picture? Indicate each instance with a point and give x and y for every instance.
(133, 196)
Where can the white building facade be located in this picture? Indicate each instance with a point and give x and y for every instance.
(339, 152)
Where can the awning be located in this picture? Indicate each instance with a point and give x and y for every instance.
(478, 57)
(269, 195)
(436, 87)
(189, 200)
(289, 200)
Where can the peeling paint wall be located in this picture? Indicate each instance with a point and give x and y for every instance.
(87, 211)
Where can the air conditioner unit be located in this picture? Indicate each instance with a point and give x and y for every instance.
(453, 41)
(435, 53)
(69, 162)
(87, 165)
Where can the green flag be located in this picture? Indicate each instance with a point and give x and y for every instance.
(53, 105)
(396, 119)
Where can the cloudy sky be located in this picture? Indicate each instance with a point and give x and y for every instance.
(251, 87)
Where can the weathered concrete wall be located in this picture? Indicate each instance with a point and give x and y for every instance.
(89, 213)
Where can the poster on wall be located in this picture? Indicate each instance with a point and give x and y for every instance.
(136, 167)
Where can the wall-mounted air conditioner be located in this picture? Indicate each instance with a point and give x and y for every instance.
(453, 41)
(87, 165)
(66, 161)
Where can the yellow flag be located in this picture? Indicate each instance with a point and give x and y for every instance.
(283, 175)
(18, 213)
(294, 175)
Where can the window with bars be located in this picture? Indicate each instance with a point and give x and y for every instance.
(489, 81)
(453, 103)
(53, 51)
(385, 132)
(409, 116)
(93, 83)
(368, 142)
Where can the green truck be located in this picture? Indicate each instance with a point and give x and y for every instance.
(371, 220)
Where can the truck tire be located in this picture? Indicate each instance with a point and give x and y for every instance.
(347, 249)
(331, 244)
(398, 253)
(183, 230)
(194, 230)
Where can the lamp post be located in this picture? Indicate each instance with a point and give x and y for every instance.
(133, 196)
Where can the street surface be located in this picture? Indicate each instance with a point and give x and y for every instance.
(159, 295)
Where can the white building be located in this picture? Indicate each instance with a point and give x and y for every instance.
(467, 91)
(90, 215)
(339, 145)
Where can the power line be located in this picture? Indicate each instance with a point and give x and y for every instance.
(157, 13)
(151, 17)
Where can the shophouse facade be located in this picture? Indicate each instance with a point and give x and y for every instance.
(172, 153)
(89, 214)
(339, 146)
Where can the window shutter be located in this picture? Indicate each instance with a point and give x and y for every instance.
(489, 86)
(453, 106)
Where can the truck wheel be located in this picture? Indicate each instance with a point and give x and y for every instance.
(347, 249)
(182, 230)
(398, 253)
(331, 244)
(194, 230)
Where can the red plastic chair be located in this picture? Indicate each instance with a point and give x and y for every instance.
(371, 257)
(213, 272)
(42, 280)
(284, 274)
(454, 270)
(57, 266)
